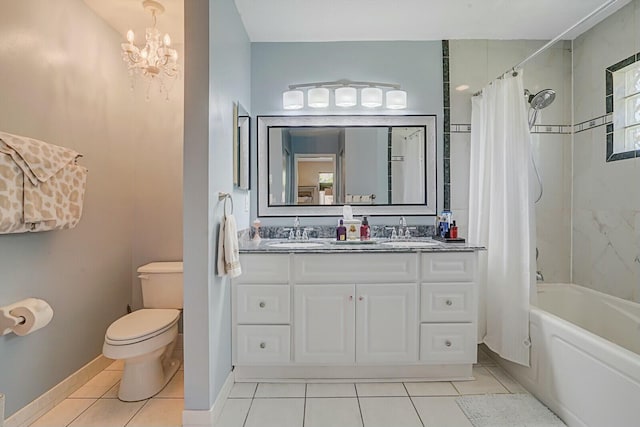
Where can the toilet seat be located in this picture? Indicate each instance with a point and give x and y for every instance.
(141, 325)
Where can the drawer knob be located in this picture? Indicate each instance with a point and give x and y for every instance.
(447, 343)
(448, 302)
(263, 345)
(262, 304)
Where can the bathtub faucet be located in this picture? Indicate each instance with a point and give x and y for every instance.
(539, 276)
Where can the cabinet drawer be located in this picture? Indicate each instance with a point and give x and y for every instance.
(448, 267)
(263, 268)
(355, 268)
(447, 302)
(262, 304)
(448, 343)
(260, 345)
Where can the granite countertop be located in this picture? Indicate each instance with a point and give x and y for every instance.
(323, 245)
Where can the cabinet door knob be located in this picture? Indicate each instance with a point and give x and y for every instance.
(360, 298)
(447, 343)
(350, 297)
(262, 304)
(448, 302)
(263, 345)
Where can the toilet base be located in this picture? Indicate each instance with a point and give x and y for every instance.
(147, 375)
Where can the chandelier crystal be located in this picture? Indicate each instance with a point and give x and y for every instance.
(156, 61)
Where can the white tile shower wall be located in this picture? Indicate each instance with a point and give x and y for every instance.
(606, 210)
(475, 63)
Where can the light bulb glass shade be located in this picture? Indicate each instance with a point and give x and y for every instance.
(318, 97)
(371, 97)
(166, 40)
(346, 96)
(130, 36)
(293, 100)
(396, 99)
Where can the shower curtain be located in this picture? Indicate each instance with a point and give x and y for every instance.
(501, 214)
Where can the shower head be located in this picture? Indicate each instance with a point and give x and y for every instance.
(542, 99)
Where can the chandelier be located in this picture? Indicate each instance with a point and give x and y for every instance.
(345, 94)
(156, 61)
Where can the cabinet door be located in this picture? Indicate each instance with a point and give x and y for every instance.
(387, 323)
(324, 324)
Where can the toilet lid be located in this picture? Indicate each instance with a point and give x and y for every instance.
(142, 324)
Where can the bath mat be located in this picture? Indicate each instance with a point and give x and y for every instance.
(507, 410)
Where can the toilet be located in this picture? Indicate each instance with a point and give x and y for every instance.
(145, 338)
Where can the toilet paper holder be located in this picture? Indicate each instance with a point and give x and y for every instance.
(9, 320)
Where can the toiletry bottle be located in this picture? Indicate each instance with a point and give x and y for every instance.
(365, 231)
(454, 231)
(341, 232)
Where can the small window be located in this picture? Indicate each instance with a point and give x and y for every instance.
(623, 103)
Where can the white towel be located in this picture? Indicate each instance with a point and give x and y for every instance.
(228, 248)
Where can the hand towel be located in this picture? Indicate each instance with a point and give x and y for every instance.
(228, 248)
(221, 268)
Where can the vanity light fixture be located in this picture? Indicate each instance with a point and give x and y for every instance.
(371, 97)
(318, 97)
(293, 100)
(345, 95)
(156, 60)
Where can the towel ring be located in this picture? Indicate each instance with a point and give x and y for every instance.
(226, 196)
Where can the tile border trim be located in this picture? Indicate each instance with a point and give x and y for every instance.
(537, 129)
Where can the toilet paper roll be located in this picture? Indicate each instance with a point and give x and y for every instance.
(36, 312)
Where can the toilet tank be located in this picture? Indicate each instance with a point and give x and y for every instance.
(162, 284)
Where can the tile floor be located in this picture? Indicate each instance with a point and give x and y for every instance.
(96, 404)
(408, 404)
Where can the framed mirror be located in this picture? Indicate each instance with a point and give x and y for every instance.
(241, 139)
(313, 165)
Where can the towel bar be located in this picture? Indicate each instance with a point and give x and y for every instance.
(226, 196)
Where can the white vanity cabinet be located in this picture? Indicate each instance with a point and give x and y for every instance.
(350, 315)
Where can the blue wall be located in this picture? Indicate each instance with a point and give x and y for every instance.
(416, 66)
(217, 74)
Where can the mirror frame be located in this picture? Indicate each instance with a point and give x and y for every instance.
(267, 122)
(241, 143)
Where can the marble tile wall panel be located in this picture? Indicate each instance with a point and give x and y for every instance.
(606, 196)
(475, 63)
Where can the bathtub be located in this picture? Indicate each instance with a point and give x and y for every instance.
(585, 356)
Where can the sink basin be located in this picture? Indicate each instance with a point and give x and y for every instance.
(296, 245)
(410, 244)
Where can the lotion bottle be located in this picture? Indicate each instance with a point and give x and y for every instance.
(341, 232)
(365, 231)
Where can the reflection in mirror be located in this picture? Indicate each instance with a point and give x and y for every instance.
(381, 165)
(311, 165)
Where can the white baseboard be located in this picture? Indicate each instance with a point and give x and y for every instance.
(208, 418)
(57, 394)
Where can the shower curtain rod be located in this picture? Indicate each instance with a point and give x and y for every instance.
(553, 41)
